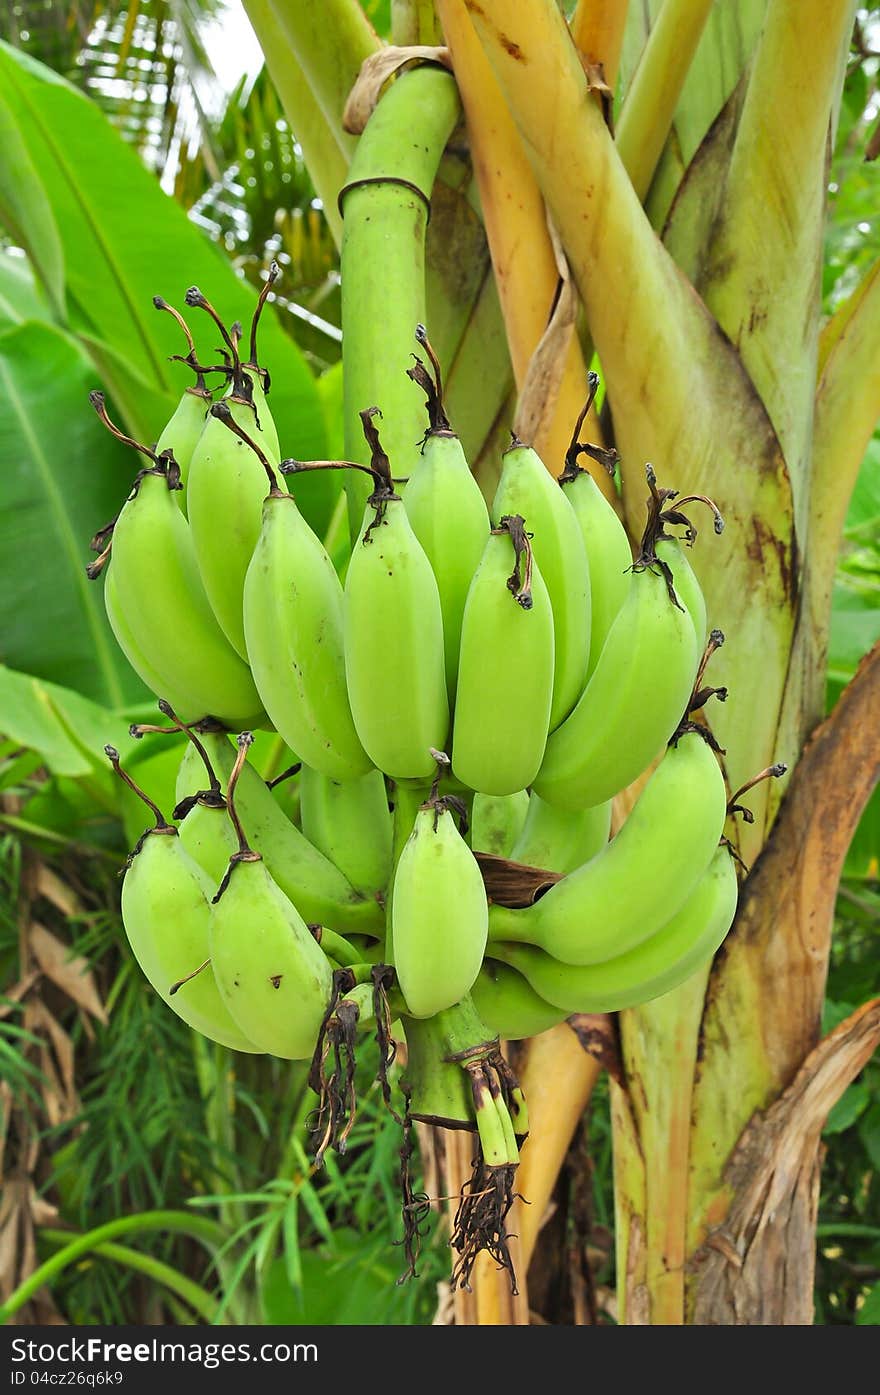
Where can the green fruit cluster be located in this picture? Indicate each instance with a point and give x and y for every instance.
(523, 638)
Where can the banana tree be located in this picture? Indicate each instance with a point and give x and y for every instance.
(639, 190)
(644, 189)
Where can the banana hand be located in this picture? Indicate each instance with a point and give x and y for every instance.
(620, 898)
(661, 963)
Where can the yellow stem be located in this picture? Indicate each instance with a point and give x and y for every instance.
(515, 219)
(597, 27)
(554, 1114)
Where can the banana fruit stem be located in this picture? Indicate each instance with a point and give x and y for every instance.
(385, 206)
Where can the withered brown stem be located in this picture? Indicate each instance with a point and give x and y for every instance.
(162, 824)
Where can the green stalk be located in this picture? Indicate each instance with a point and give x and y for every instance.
(326, 149)
(847, 407)
(215, 1079)
(199, 1228)
(198, 1298)
(764, 263)
(653, 93)
(414, 22)
(385, 208)
(441, 1090)
(409, 796)
(330, 42)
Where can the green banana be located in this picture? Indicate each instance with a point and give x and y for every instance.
(318, 889)
(439, 914)
(156, 682)
(616, 901)
(447, 511)
(631, 704)
(272, 974)
(609, 555)
(292, 609)
(349, 821)
(526, 488)
(157, 605)
(184, 427)
(225, 493)
(645, 671)
(669, 956)
(509, 1005)
(558, 840)
(505, 675)
(165, 913)
(497, 820)
(393, 635)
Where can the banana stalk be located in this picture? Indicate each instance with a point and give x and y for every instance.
(385, 206)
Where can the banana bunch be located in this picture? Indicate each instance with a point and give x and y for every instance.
(457, 716)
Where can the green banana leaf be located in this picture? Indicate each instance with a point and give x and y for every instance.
(21, 296)
(63, 478)
(67, 730)
(123, 241)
